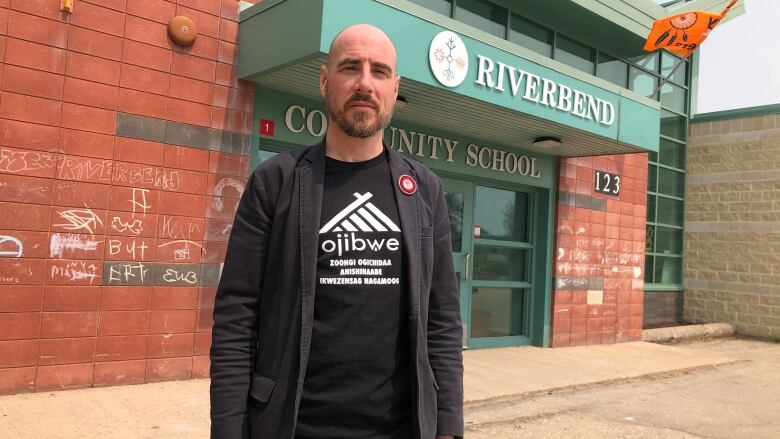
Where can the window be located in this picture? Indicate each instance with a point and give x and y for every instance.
(575, 54)
(613, 70)
(647, 62)
(671, 154)
(443, 7)
(531, 35)
(497, 312)
(673, 97)
(665, 209)
(500, 263)
(642, 82)
(671, 182)
(482, 15)
(669, 63)
(502, 214)
(668, 270)
(455, 208)
(669, 211)
(668, 240)
(673, 125)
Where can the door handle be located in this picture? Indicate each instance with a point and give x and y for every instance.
(466, 268)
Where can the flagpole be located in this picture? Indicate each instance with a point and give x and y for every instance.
(668, 77)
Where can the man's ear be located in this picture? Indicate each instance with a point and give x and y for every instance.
(397, 83)
(324, 79)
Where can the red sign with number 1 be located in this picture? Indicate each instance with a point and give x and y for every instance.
(267, 127)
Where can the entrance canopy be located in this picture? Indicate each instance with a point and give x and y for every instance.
(454, 77)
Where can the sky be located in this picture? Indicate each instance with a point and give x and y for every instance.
(740, 66)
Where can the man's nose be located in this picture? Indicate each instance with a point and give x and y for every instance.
(365, 80)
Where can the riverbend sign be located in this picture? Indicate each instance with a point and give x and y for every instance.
(449, 62)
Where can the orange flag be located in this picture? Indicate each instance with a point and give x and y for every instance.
(683, 33)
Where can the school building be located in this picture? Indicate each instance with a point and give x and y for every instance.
(124, 152)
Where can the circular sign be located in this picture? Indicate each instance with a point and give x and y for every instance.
(448, 58)
(407, 184)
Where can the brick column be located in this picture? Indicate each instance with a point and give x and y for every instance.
(599, 252)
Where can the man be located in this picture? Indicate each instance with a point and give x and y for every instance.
(337, 314)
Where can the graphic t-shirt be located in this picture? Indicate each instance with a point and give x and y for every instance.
(358, 377)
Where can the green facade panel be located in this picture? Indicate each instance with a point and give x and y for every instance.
(606, 112)
(300, 122)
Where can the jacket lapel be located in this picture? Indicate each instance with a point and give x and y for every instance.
(310, 178)
(409, 214)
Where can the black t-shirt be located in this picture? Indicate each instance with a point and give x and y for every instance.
(358, 377)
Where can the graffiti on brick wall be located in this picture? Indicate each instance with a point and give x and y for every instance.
(134, 273)
(138, 201)
(84, 220)
(594, 257)
(183, 252)
(62, 242)
(15, 162)
(135, 226)
(131, 249)
(10, 247)
(180, 228)
(219, 188)
(138, 174)
(87, 169)
(81, 168)
(27, 191)
(174, 275)
(75, 271)
(218, 230)
(15, 272)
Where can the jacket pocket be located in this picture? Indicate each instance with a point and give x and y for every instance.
(433, 379)
(262, 387)
(426, 232)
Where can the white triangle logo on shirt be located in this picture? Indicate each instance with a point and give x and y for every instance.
(362, 216)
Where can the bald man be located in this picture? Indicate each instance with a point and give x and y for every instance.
(337, 314)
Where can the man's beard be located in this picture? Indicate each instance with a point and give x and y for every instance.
(359, 125)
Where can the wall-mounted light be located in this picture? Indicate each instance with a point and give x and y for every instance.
(66, 6)
(182, 30)
(547, 142)
(401, 102)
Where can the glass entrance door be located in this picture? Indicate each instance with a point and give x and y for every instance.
(459, 196)
(493, 256)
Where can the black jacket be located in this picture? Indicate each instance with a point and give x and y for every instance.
(265, 302)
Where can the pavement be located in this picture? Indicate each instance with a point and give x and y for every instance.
(181, 409)
(735, 401)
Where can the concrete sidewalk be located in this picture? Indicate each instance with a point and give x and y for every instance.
(181, 409)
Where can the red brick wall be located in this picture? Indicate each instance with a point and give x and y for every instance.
(600, 251)
(121, 160)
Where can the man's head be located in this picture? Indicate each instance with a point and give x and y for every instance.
(359, 81)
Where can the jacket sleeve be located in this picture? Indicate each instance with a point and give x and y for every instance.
(445, 330)
(236, 307)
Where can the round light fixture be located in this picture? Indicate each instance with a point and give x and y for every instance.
(182, 30)
(547, 142)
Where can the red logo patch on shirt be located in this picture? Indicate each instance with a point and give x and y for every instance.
(407, 184)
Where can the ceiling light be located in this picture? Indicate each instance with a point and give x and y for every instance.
(547, 142)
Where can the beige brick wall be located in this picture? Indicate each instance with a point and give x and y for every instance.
(732, 224)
